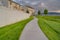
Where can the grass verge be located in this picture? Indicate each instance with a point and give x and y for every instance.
(50, 26)
(13, 31)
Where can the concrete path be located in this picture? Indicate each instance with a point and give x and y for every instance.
(32, 32)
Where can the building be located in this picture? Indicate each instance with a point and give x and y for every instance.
(4, 3)
(30, 9)
(13, 5)
(16, 6)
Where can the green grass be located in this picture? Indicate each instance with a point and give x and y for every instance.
(13, 31)
(50, 25)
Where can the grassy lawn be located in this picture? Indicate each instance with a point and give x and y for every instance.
(50, 25)
(13, 31)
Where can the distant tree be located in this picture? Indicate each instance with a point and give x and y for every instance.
(45, 11)
(39, 12)
(27, 11)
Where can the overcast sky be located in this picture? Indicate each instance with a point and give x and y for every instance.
(49, 4)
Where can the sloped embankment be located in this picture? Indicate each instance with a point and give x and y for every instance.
(13, 31)
(50, 26)
(8, 16)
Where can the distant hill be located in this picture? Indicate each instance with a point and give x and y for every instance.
(52, 13)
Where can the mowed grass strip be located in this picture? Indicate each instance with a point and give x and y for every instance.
(54, 22)
(52, 18)
(55, 17)
(50, 28)
(13, 31)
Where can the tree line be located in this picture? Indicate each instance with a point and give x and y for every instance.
(45, 12)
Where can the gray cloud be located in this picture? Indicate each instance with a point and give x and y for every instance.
(52, 4)
(49, 4)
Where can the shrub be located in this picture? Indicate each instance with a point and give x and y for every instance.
(45, 11)
(39, 12)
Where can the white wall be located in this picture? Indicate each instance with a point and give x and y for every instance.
(9, 16)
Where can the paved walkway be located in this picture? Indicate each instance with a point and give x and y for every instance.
(32, 32)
